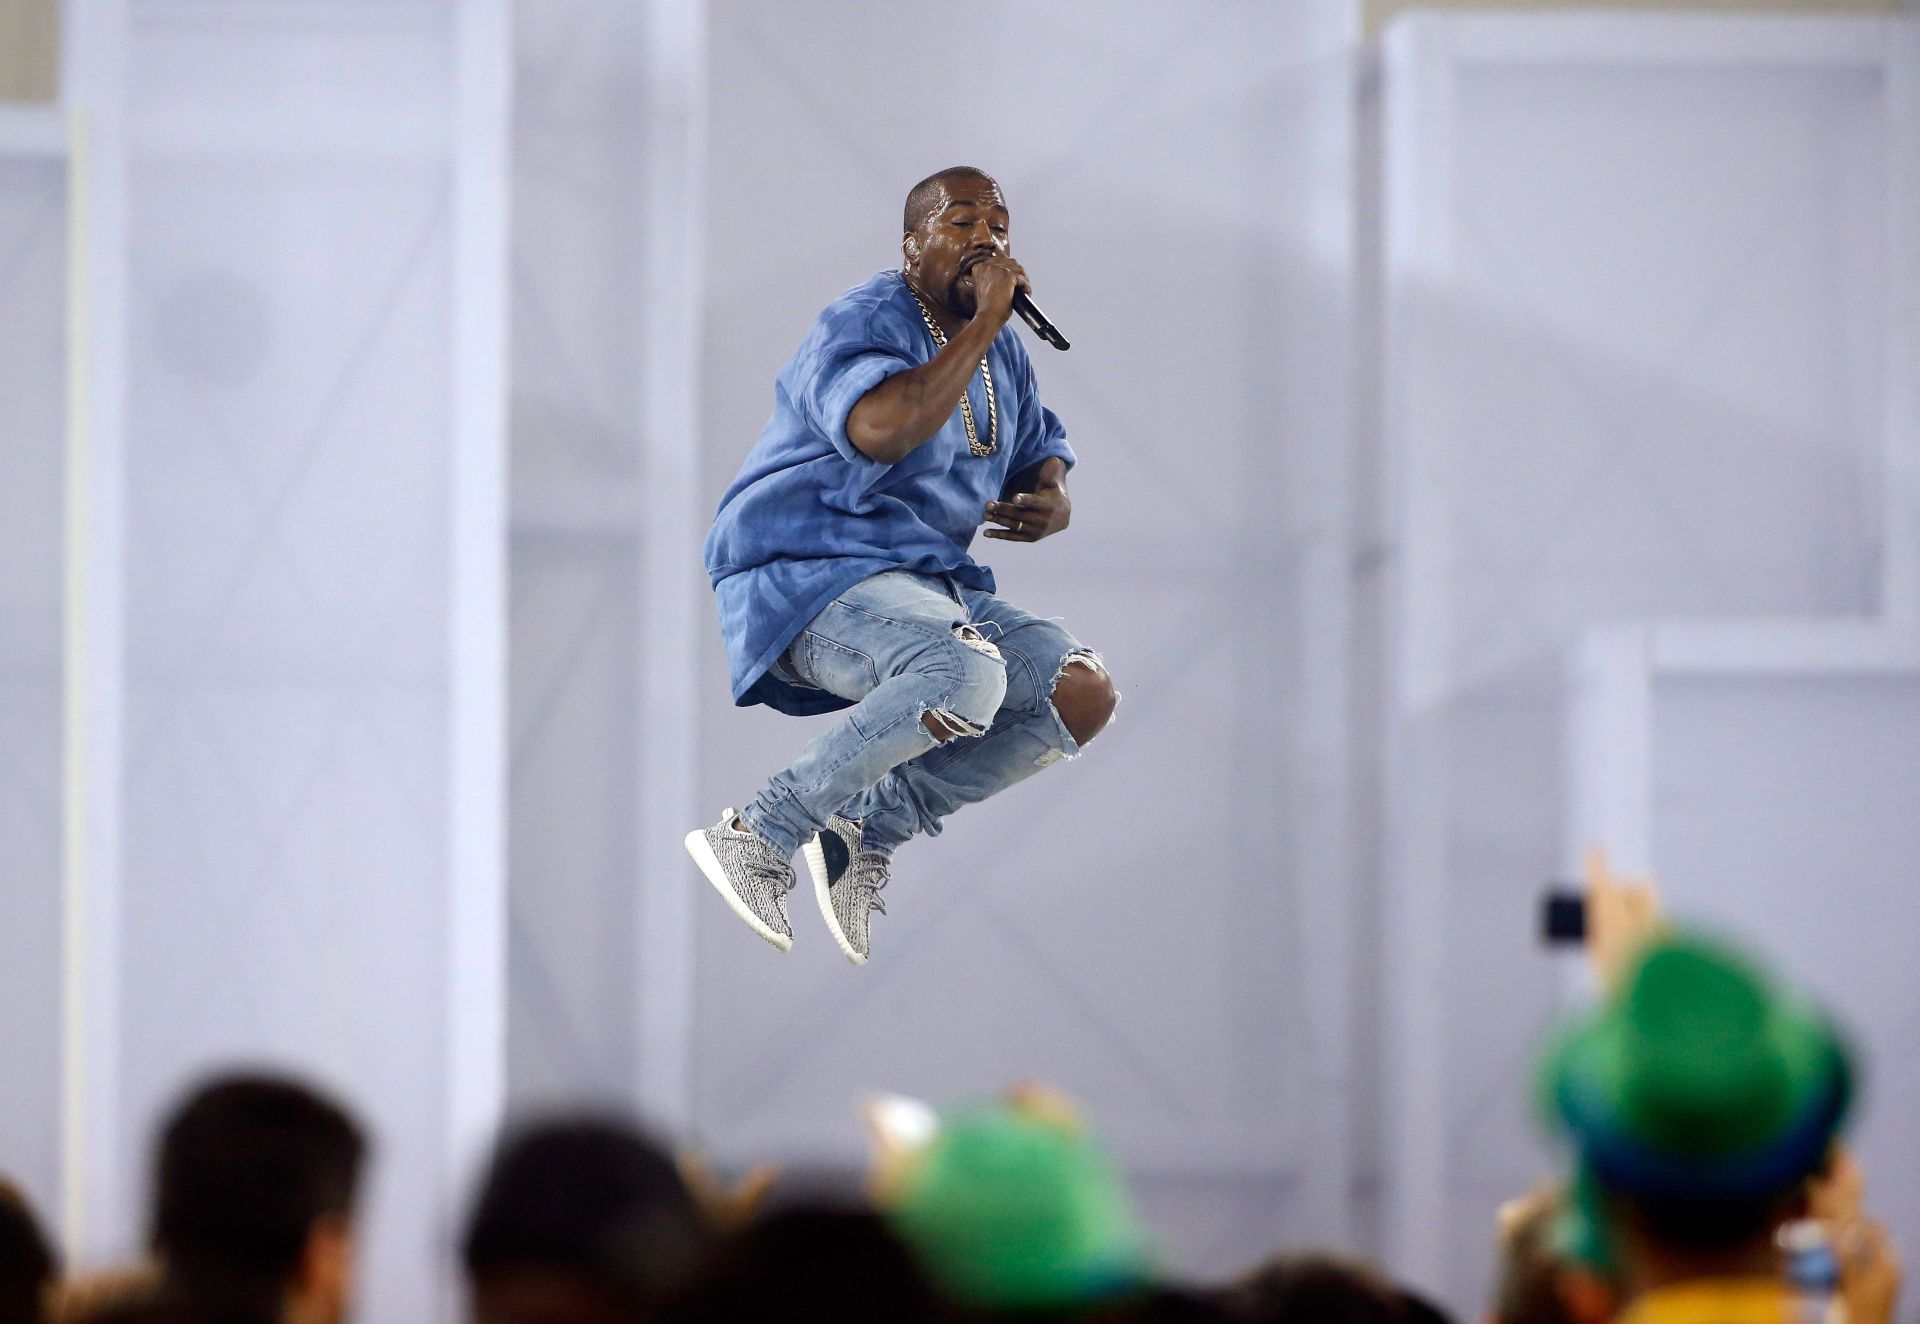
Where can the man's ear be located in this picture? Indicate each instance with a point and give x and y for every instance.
(910, 245)
(324, 1279)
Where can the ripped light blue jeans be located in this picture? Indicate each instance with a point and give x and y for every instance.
(904, 645)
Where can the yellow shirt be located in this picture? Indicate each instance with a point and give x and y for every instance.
(1714, 1301)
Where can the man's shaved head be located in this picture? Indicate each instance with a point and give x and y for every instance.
(925, 198)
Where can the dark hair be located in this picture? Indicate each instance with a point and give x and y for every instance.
(155, 1308)
(27, 1261)
(1718, 1223)
(247, 1165)
(592, 1197)
(1150, 1305)
(1417, 1309)
(924, 196)
(806, 1264)
(1316, 1289)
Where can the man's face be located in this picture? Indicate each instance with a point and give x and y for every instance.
(970, 223)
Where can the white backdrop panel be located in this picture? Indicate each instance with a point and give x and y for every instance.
(1160, 927)
(1636, 335)
(1784, 815)
(578, 503)
(309, 804)
(33, 291)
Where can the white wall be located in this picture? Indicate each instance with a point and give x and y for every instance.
(1143, 926)
(295, 449)
(33, 253)
(577, 506)
(1378, 13)
(1784, 810)
(1764, 768)
(1641, 275)
(1640, 359)
(1632, 332)
(608, 598)
(1180, 184)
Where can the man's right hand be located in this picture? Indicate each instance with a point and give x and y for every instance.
(995, 281)
(888, 422)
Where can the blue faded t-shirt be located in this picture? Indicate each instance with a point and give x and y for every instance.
(810, 516)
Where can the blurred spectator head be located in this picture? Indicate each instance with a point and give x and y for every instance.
(1701, 1095)
(1315, 1289)
(579, 1218)
(1417, 1309)
(1012, 1210)
(810, 1263)
(1541, 1278)
(254, 1198)
(1166, 1305)
(27, 1262)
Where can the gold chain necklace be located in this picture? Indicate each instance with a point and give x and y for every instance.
(966, 406)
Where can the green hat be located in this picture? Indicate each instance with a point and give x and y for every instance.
(1699, 1079)
(1009, 1211)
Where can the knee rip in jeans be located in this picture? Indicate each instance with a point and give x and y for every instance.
(1085, 657)
(1080, 657)
(945, 726)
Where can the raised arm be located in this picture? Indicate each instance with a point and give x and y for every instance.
(895, 417)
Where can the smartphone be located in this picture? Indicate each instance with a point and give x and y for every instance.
(1563, 916)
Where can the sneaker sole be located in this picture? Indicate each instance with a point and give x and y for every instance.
(817, 866)
(709, 863)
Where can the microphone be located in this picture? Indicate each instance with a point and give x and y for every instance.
(1030, 314)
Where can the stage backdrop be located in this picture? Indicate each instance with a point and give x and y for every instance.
(288, 692)
(1160, 927)
(1648, 491)
(33, 254)
(1533, 465)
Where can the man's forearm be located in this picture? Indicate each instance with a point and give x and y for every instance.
(891, 421)
(1050, 472)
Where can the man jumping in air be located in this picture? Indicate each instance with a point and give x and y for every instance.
(907, 419)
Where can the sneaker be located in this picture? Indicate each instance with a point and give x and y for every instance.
(847, 882)
(750, 875)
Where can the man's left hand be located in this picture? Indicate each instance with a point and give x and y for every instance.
(1029, 516)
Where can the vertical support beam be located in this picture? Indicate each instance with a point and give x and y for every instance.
(476, 853)
(1315, 398)
(95, 1222)
(1900, 570)
(673, 612)
(1368, 698)
(1418, 257)
(113, 1063)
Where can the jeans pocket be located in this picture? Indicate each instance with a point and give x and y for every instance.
(835, 668)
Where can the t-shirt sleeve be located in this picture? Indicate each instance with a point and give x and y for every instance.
(1042, 434)
(850, 356)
